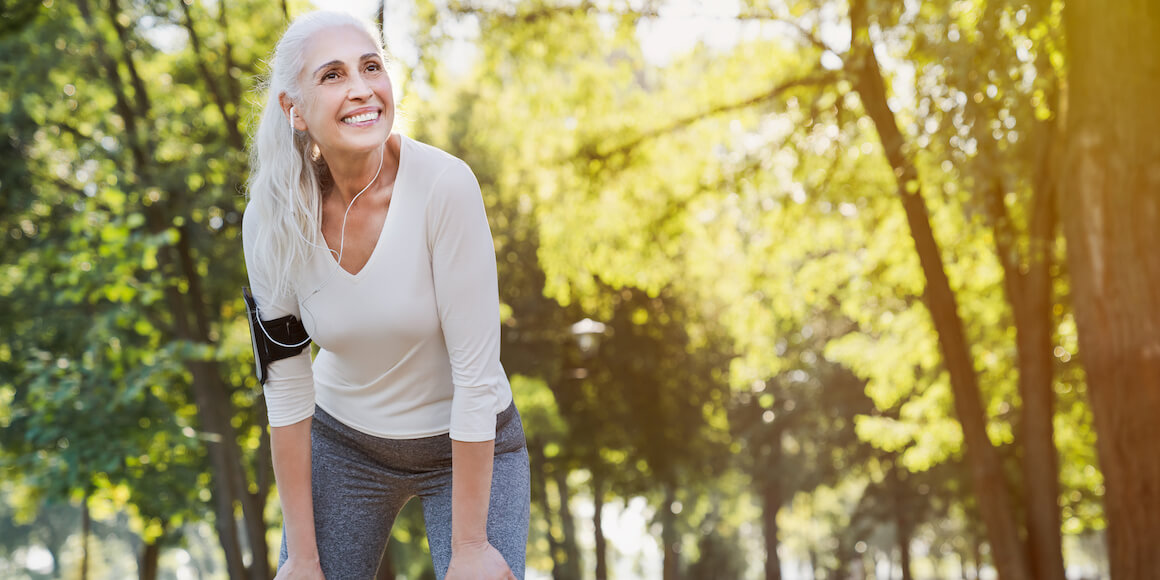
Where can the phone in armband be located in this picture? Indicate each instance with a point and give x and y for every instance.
(273, 340)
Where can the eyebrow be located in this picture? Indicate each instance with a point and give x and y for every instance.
(362, 58)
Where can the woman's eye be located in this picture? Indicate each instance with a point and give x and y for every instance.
(373, 67)
(330, 76)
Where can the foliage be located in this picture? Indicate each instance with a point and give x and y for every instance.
(126, 192)
(729, 214)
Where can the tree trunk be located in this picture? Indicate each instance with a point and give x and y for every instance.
(669, 536)
(1027, 286)
(771, 502)
(212, 403)
(56, 555)
(598, 521)
(859, 570)
(571, 567)
(148, 561)
(986, 470)
(904, 553)
(978, 558)
(54, 537)
(540, 495)
(1110, 205)
(1031, 304)
(264, 476)
(86, 531)
(215, 410)
(902, 521)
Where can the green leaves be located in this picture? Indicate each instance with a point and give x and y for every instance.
(125, 195)
(729, 213)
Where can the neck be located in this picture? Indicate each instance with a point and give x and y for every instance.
(355, 174)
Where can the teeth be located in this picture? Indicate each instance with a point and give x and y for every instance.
(360, 118)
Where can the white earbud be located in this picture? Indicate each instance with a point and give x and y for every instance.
(292, 118)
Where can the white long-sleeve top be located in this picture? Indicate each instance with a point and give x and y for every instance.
(409, 346)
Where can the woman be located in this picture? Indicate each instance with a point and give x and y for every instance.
(380, 245)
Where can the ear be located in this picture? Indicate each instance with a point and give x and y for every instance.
(294, 119)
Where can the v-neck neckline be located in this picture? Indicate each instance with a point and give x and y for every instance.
(386, 221)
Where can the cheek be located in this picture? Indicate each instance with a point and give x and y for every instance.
(383, 87)
(323, 102)
(309, 103)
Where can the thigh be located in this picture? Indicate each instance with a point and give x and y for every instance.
(356, 502)
(509, 508)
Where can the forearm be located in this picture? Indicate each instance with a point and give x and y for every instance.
(471, 464)
(290, 447)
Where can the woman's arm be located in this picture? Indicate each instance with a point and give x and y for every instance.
(472, 556)
(289, 393)
(290, 447)
(467, 295)
(470, 491)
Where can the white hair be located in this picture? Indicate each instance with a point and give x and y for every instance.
(287, 173)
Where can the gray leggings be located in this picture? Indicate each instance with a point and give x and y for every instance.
(361, 482)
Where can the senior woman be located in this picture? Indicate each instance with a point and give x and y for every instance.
(377, 248)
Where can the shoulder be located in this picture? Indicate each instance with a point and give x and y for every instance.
(446, 180)
(425, 154)
(436, 167)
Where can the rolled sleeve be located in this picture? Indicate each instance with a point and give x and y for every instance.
(289, 388)
(467, 296)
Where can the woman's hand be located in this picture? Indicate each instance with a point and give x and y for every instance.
(479, 561)
(300, 570)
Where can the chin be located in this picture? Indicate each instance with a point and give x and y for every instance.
(368, 141)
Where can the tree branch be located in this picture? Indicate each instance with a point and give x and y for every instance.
(234, 135)
(591, 151)
(139, 92)
(648, 12)
(234, 90)
(117, 84)
(1004, 235)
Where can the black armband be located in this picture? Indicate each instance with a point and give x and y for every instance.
(265, 336)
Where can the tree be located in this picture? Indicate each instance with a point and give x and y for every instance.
(119, 365)
(640, 182)
(894, 198)
(659, 375)
(987, 474)
(1109, 205)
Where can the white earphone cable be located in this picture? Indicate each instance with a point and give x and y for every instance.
(341, 246)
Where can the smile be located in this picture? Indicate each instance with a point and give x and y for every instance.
(363, 118)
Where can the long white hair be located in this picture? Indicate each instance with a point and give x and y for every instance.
(287, 173)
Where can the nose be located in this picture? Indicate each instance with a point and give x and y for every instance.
(358, 89)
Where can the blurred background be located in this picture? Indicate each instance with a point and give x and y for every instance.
(792, 289)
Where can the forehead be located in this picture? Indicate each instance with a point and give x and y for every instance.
(342, 43)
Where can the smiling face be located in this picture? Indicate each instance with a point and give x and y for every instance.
(349, 106)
